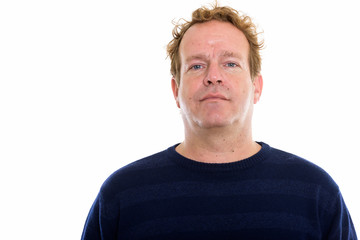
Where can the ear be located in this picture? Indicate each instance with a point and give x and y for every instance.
(258, 86)
(175, 89)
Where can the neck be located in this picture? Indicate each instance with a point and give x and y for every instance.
(218, 145)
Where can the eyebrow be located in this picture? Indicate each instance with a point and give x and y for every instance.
(222, 54)
(231, 54)
(197, 56)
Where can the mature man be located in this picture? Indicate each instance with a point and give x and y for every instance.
(218, 183)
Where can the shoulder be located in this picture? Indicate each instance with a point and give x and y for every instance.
(298, 168)
(302, 177)
(290, 166)
(137, 173)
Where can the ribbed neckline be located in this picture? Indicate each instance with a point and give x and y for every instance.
(217, 167)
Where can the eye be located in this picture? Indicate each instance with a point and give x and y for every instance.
(196, 67)
(231, 64)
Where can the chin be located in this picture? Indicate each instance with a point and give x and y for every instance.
(218, 123)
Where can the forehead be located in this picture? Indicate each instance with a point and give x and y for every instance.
(213, 38)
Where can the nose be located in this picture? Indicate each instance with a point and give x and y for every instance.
(213, 76)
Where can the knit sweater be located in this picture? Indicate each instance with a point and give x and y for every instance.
(271, 195)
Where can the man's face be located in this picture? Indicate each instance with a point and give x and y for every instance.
(215, 89)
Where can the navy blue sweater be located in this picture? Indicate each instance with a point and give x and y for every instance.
(271, 195)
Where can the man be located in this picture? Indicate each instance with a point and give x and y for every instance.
(218, 183)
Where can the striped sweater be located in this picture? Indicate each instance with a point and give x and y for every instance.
(271, 195)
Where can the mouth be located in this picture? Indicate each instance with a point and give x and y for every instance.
(213, 97)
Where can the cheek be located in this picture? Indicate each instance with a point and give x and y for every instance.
(244, 93)
(184, 97)
(189, 89)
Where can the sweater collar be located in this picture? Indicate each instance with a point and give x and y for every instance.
(218, 167)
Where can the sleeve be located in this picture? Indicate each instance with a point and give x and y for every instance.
(102, 221)
(341, 226)
(92, 225)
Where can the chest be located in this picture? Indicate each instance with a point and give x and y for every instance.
(209, 210)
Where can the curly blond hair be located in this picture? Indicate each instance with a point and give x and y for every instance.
(224, 14)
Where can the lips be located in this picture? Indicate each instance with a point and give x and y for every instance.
(213, 96)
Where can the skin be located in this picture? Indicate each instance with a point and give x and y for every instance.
(216, 94)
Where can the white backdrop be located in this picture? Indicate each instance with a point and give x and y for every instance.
(85, 89)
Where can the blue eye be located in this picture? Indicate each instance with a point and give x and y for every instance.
(231, 64)
(196, 67)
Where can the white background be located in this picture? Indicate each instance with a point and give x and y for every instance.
(85, 89)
